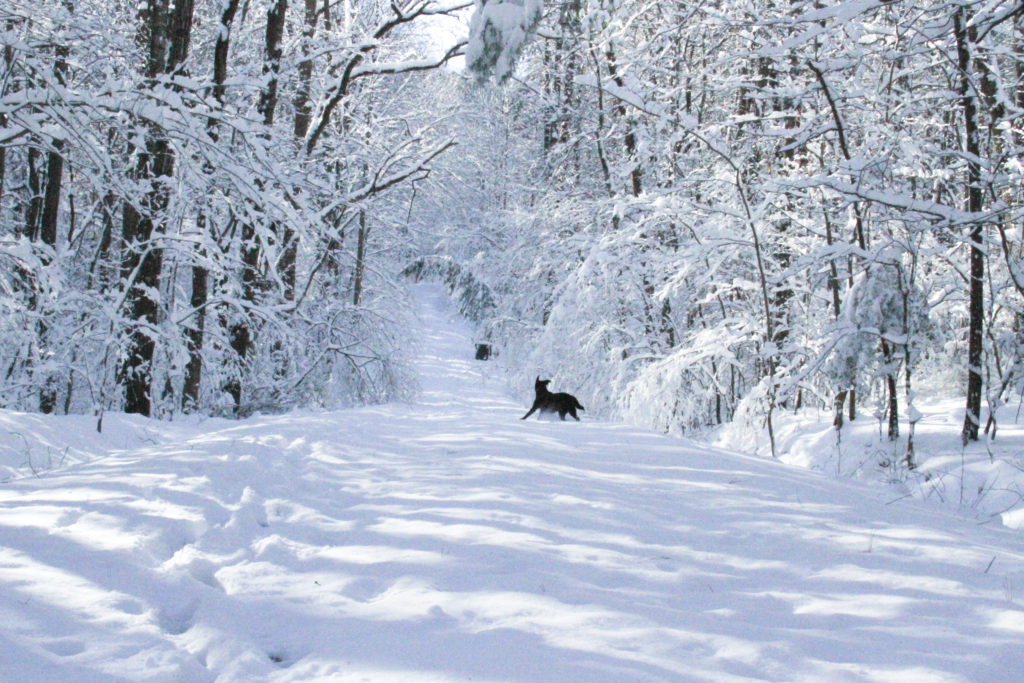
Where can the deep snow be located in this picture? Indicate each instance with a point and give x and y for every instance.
(448, 540)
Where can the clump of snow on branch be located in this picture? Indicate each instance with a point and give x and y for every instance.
(498, 32)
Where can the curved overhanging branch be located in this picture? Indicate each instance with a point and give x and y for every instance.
(404, 13)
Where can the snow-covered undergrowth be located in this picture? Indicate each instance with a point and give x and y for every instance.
(445, 539)
(984, 481)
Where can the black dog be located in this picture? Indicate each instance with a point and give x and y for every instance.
(547, 402)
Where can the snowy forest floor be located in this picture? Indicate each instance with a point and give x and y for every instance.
(448, 540)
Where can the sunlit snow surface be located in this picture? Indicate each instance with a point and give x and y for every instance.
(448, 540)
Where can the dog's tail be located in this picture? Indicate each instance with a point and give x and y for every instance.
(576, 401)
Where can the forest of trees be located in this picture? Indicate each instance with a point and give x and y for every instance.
(688, 212)
(189, 191)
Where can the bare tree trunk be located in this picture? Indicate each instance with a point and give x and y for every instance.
(167, 32)
(833, 285)
(357, 277)
(194, 337)
(242, 337)
(303, 118)
(272, 60)
(48, 221)
(629, 138)
(965, 35)
(8, 62)
(35, 198)
(859, 235)
(48, 235)
(912, 413)
(200, 276)
(303, 110)
(890, 382)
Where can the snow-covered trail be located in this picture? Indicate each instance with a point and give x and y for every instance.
(448, 540)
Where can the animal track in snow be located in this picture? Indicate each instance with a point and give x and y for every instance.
(179, 619)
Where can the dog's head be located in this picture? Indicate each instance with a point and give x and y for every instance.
(540, 385)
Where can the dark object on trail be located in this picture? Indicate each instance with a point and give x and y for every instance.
(483, 351)
(548, 402)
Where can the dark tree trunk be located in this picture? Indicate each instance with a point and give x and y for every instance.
(629, 138)
(241, 341)
(241, 333)
(167, 34)
(194, 339)
(51, 196)
(303, 118)
(964, 38)
(144, 262)
(357, 277)
(833, 285)
(101, 269)
(48, 226)
(48, 235)
(34, 206)
(912, 416)
(303, 110)
(890, 381)
(859, 235)
(8, 62)
(200, 276)
(840, 400)
(272, 60)
(286, 264)
(220, 50)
